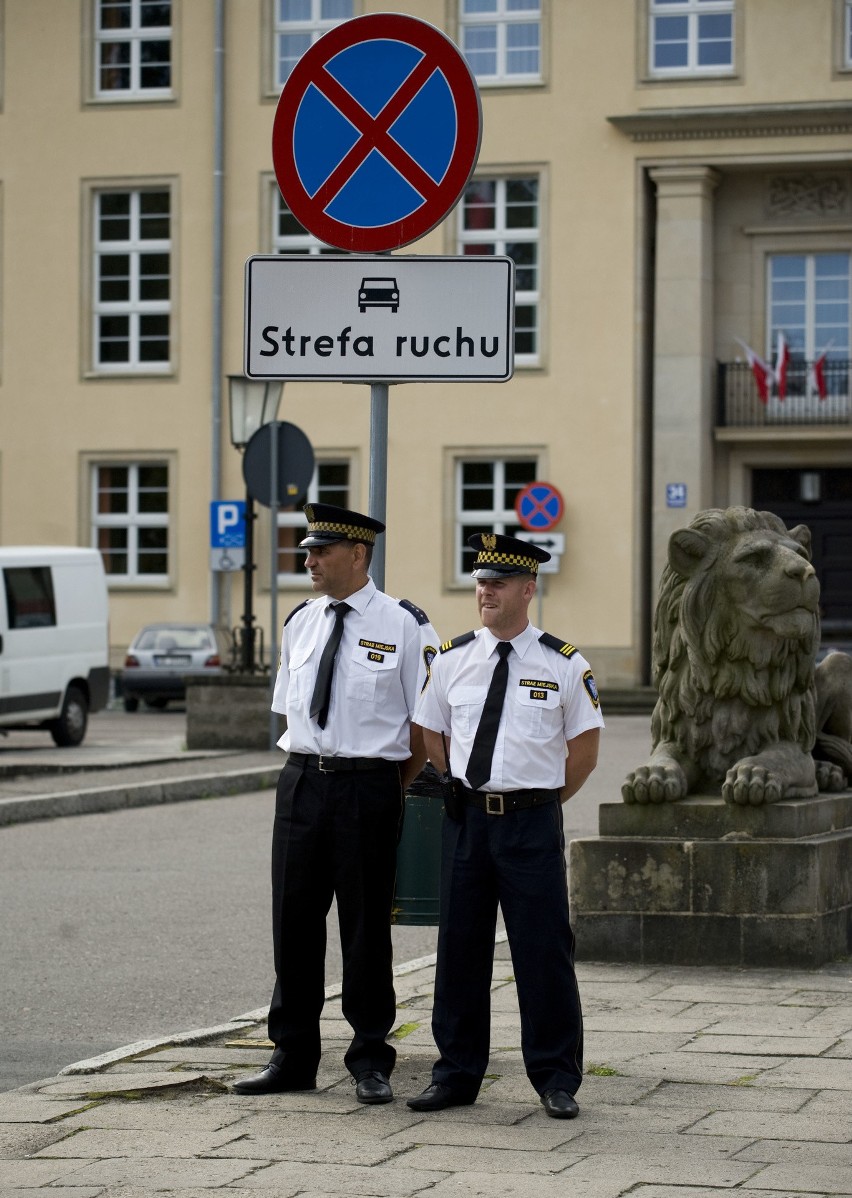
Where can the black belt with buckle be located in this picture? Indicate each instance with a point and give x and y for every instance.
(494, 803)
(340, 765)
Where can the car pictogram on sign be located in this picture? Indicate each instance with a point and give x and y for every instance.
(378, 293)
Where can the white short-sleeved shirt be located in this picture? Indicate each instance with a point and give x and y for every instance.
(551, 697)
(381, 666)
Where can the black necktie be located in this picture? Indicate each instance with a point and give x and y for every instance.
(479, 764)
(322, 687)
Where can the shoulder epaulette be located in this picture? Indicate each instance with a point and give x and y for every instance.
(553, 642)
(418, 612)
(304, 603)
(457, 640)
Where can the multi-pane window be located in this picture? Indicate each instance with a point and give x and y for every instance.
(289, 237)
(501, 39)
(486, 490)
(847, 33)
(330, 484)
(298, 24)
(810, 302)
(501, 216)
(133, 48)
(132, 280)
(690, 37)
(130, 520)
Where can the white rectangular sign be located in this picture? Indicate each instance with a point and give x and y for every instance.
(379, 319)
(553, 542)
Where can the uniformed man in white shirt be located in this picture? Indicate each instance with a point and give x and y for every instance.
(510, 702)
(352, 666)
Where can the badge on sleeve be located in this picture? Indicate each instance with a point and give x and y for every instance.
(429, 655)
(591, 689)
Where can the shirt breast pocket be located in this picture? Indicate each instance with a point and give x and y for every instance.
(299, 670)
(371, 676)
(539, 711)
(466, 703)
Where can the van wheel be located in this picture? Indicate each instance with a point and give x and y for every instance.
(70, 728)
(130, 704)
(156, 704)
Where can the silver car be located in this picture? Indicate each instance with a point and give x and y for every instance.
(161, 655)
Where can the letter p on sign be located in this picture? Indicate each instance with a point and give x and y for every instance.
(228, 524)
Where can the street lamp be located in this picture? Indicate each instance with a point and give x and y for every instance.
(253, 402)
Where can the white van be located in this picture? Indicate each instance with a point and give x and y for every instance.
(54, 639)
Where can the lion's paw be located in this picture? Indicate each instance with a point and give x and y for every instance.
(656, 782)
(751, 785)
(830, 777)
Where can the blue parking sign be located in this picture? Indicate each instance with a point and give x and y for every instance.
(675, 494)
(228, 524)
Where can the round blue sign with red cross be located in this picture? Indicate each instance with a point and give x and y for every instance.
(539, 507)
(376, 133)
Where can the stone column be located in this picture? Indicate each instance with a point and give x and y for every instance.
(684, 367)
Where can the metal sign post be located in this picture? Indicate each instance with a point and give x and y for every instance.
(273, 580)
(379, 473)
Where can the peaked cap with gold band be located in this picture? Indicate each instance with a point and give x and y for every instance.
(498, 556)
(328, 524)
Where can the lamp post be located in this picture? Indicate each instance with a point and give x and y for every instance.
(253, 402)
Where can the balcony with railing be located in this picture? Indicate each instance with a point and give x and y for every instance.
(811, 397)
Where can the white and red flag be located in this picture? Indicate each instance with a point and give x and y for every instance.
(782, 361)
(816, 374)
(764, 375)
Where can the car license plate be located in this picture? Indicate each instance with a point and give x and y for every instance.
(173, 659)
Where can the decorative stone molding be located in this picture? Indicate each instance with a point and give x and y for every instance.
(807, 195)
(755, 120)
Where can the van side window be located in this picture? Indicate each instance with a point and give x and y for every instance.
(29, 596)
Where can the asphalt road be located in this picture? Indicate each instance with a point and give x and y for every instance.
(152, 921)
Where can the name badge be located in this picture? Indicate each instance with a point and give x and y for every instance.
(378, 647)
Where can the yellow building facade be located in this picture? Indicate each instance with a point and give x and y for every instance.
(672, 177)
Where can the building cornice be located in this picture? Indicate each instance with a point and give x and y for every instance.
(752, 120)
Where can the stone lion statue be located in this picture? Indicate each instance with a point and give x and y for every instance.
(735, 637)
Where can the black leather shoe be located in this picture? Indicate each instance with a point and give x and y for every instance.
(373, 1088)
(273, 1080)
(438, 1097)
(559, 1104)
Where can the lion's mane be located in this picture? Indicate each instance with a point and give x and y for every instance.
(725, 693)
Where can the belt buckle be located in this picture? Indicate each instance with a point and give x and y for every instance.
(494, 804)
(321, 766)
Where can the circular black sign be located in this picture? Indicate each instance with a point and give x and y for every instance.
(295, 464)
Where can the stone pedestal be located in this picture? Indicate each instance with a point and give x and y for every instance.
(229, 711)
(700, 882)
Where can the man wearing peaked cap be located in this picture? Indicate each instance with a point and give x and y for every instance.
(520, 710)
(352, 665)
(328, 524)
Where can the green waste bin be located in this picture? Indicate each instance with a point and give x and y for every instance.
(418, 855)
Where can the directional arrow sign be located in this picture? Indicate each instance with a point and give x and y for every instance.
(376, 133)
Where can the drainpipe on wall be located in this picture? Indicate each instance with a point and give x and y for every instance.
(216, 329)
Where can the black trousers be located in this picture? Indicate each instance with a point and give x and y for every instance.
(518, 861)
(335, 835)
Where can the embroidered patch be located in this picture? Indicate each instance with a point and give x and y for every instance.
(378, 646)
(539, 685)
(375, 656)
(591, 689)
(539, 695)
(429, 655)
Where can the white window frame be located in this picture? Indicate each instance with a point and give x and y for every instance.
(132, 520)
(293, 243)
(811, 349)
(500, 236)
(136, 35)
(314, 27)
(299, 579)
(502, 18)
(134, 307)
(847, 35)
(692, 10)
(497, 518)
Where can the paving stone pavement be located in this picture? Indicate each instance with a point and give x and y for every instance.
(699, 1083)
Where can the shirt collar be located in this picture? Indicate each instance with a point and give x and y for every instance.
(520, 643)
(357, 601)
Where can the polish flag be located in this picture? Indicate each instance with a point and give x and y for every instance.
(782, 361)
(762, 371)
(816, 374)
